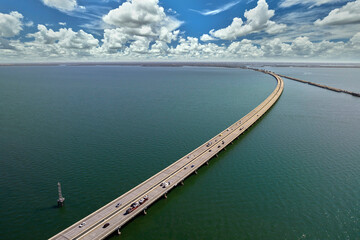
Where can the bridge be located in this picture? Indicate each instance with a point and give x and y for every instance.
(111, 217)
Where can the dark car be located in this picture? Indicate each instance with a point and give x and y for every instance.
(106, 225)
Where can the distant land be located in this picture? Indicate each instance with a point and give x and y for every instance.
(208, 64)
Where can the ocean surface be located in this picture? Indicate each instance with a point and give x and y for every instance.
(101, 130)
(343, 78)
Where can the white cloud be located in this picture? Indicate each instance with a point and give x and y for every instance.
(114, 39)
(10, 24)
(257, 19)
(159, 48)
(302, 46)
(65, 38)
(172, 11)
(67, 44)
(355, 40)
(218, 10)
(5, 44)
(348, 14)
(29, 24)
(139, 18)
(275, 28)
(139, 46)
(47, 44)
(311, 3)
(206, 37)
(62, 23)
(62, 5)
(245, 49)
(276, 47)
(190, 48)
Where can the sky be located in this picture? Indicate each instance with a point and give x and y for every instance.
(179, 30)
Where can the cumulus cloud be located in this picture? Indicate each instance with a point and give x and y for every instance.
(62, 44)
(65, 38)
(190, 48)
(5, 44)
(114, 39)
(136, 19)
(302, 46)
(355, 40)
(206, 37)
(348, 14)
(68, 44)
(245, 49)
(311, 3)
(10, 24)
(62, 5)
(275, 47)
(257, 19)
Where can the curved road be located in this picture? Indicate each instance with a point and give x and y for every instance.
(114, 212)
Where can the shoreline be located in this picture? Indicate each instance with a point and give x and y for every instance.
(195, 64)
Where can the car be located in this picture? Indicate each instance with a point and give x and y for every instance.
(82, 224)
(118, 205)
(106, 225)
(192, 166)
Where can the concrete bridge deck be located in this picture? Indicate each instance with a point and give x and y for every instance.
(174, 174)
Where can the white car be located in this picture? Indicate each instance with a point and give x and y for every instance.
(82, 224)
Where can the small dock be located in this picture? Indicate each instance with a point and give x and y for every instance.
(112, 217)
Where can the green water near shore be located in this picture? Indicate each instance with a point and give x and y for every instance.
(103, 130)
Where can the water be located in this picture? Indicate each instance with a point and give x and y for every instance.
(103, 130)
(343, 78)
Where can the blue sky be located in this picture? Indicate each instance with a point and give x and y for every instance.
(230, 30)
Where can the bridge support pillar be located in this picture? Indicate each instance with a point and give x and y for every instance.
(225, 149)
(145, 212)
(195, 172)
(118, 231)
(232, 143)
(207, 163)
(216, 155)
(165, 196)
(182, 183)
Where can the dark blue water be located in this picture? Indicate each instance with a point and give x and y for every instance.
(103, 130)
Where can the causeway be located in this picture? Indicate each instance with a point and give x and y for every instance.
(111, 217)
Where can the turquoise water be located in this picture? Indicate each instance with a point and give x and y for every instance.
(103, 130)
